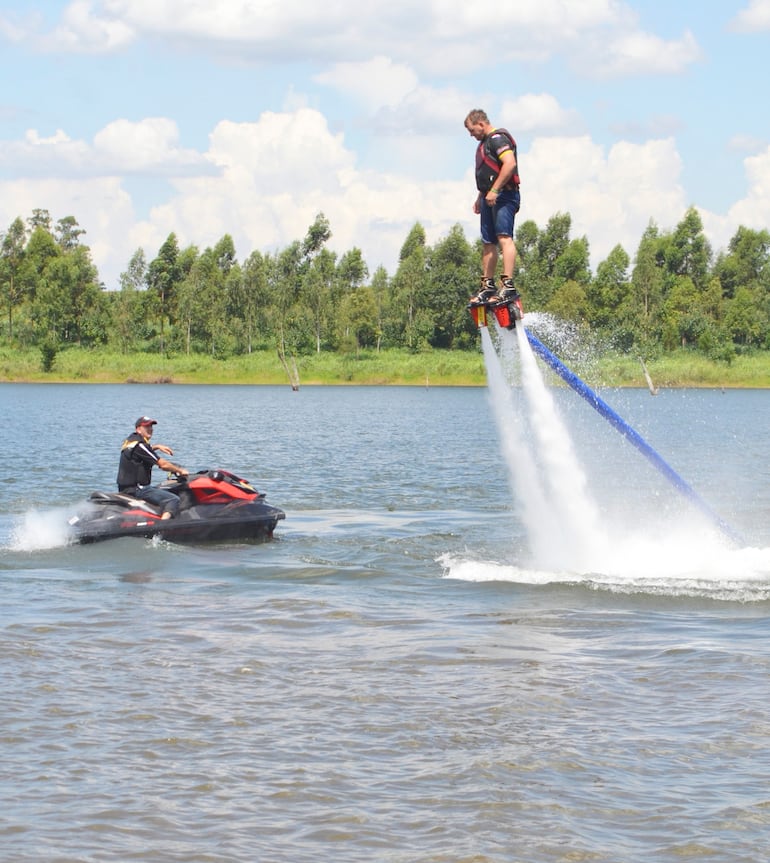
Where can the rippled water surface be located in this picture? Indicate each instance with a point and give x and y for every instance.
(403, 674)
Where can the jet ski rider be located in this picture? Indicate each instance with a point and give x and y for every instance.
(137, 459)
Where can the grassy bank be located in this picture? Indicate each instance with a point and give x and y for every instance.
(388, 367)
(435, 368)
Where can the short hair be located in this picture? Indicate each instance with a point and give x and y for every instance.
(476, 116)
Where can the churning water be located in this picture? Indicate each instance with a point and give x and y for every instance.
(487, 630)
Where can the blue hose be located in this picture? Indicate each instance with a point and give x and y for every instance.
(625, 429)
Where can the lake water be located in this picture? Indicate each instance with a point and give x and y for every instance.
(488, 630)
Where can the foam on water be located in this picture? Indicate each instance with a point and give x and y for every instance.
(568, 539)
(38, 530)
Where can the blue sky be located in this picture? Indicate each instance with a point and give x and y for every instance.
(248, 117)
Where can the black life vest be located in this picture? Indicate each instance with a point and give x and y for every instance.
(488, 163)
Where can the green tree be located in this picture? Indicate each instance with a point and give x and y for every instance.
(224, 254)
(450, 282)
(190, 301)
(318, 281)
(641, 315)
(12, 254)
(569, 302)
(68, 233)
(539, 252)
(684, 319)
(687, 252)
(357, 321)
(609, 289)
(163, 276)
(129, 308)
(746, 262)
(249, 298)
(746, 326)
(41, 219)
(406, 324)
(70, 304)
(380, 286)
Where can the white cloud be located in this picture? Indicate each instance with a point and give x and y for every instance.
(754, 210)
(638, 53)
(379, 82)
(611, 197)
(448, 37)
(539, 113)
(149, 147)
(755, 18)
(82, 31)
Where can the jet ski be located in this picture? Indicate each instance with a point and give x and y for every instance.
(214, 505)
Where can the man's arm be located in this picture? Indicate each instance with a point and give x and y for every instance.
(507, 170)
(165, 464)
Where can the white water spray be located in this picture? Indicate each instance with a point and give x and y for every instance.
(571, 542)
(561, 518)
(41, 529)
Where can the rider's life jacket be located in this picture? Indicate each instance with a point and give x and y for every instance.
(488, 162)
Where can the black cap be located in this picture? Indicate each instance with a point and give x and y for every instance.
(145, 421)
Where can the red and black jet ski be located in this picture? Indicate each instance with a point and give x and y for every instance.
(507, 312)
(214, 505)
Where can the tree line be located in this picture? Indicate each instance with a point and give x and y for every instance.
(674, 294)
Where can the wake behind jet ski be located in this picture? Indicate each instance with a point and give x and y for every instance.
(214, 505)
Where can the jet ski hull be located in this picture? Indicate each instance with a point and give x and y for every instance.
(215, 506)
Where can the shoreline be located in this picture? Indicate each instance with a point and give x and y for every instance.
(388, 368)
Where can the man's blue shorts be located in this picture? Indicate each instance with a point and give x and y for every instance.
(498, 221)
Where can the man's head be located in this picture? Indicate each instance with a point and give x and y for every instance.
(477, 123)
(144, 425)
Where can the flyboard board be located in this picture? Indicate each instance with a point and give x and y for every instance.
(506, 312)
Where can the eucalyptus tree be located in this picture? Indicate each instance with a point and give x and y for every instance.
(163, 276)
(539, 252)
(12, 255)
(354, 306)
(129, 308)
(40, 218)
(69, 304)
(317, 270)
(609, 290)
(380, 285)
(357, 319)
(687, 252)
(217, 293)
(450, 282)
(190, 295)
(249, 298)
(747, 321)
(284, 279)
(746, 262)
(224, 254)
(683, 320)
(525, 273)
(569, 302)
(318, 301)
(648, 278)
(352, 271)
(68, 233)
(202, 298)
(42, 248)
(406, 325)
